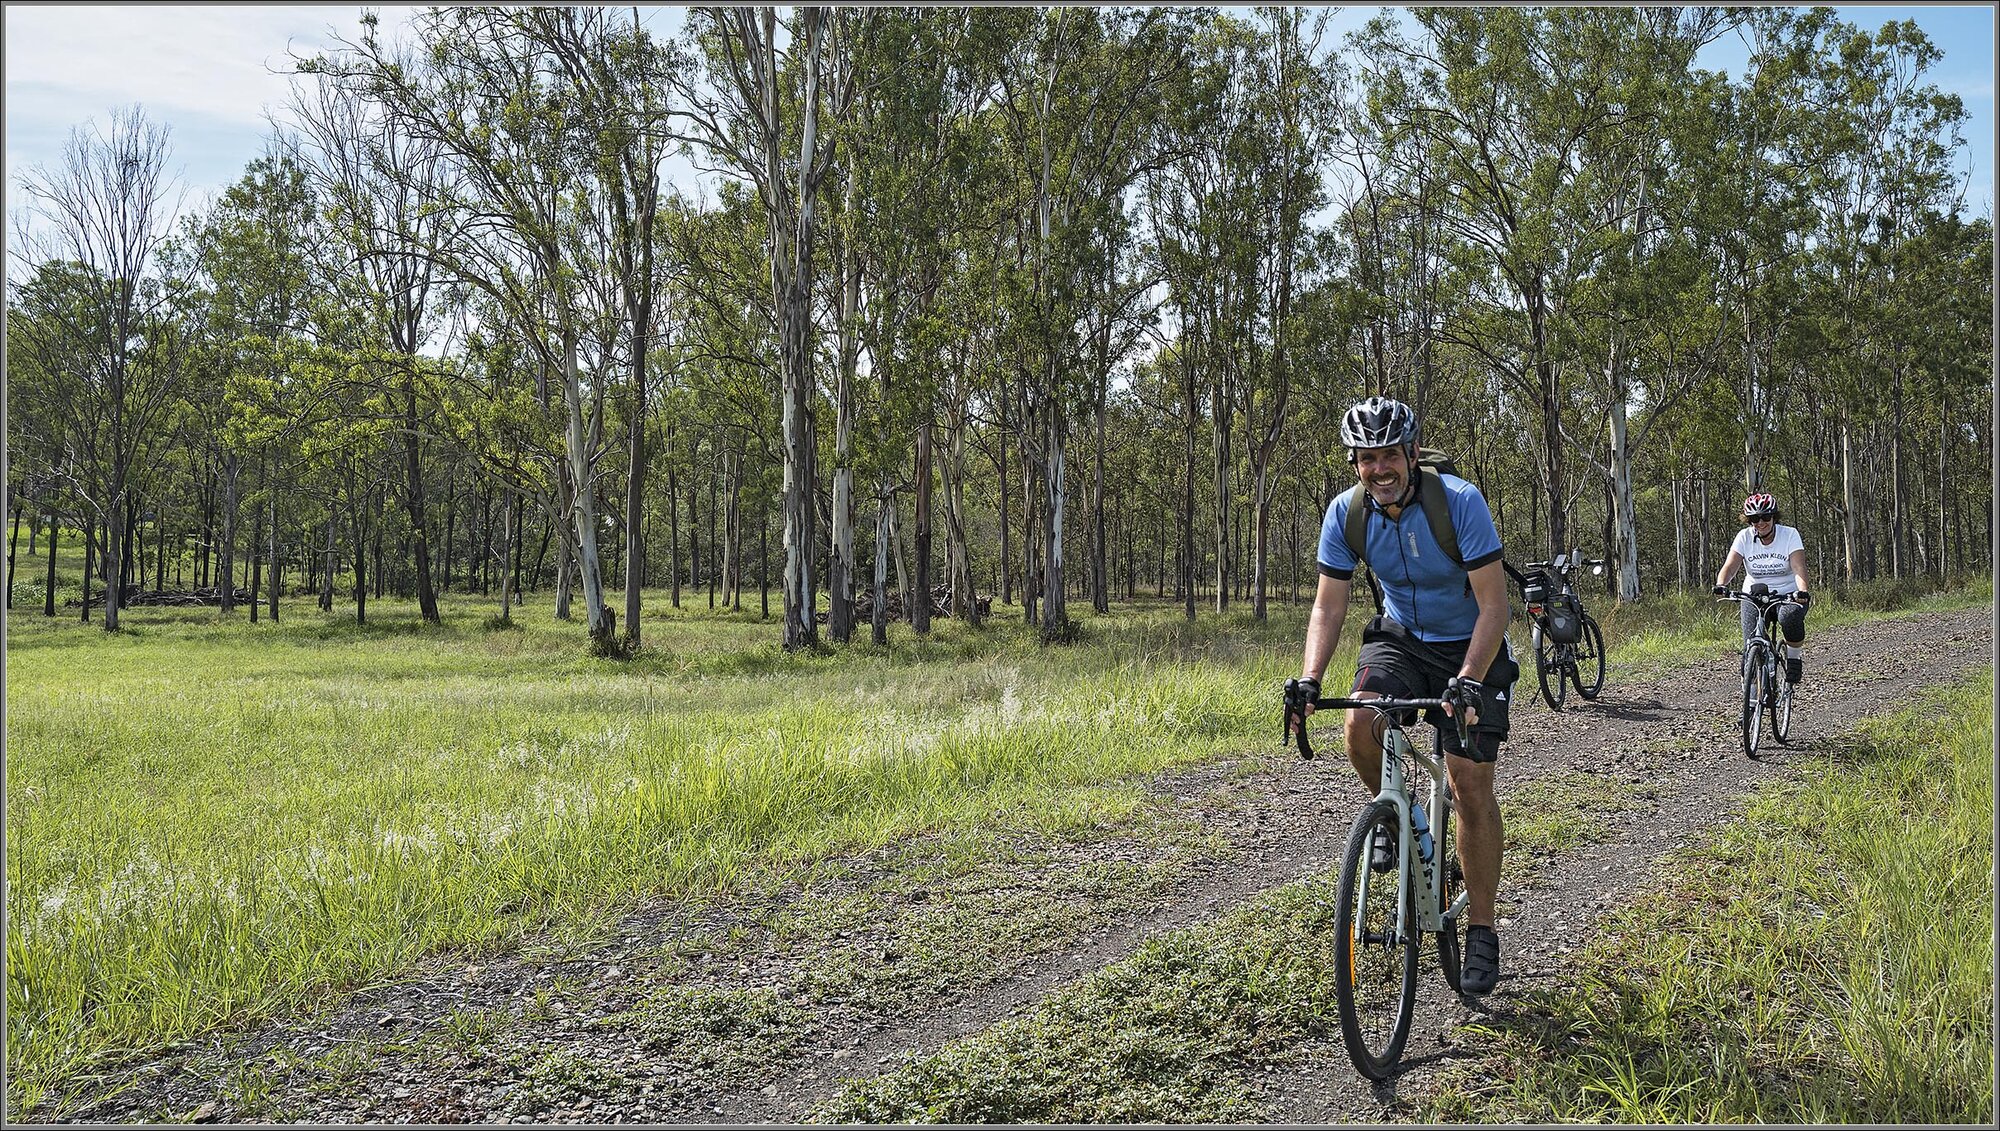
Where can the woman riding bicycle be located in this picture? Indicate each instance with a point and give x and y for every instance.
(1775, 555)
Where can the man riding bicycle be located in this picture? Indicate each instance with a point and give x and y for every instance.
(1775, 555)
(1441, 634)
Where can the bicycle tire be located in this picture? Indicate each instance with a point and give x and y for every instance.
(1450, 952)
(1548, 664)
(1753, 701)
(1376, 980)
(1781, 714)
(1589, 653)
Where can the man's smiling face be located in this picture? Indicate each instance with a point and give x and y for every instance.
(1384, 472)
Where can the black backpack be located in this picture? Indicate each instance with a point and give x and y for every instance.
(1431, 463)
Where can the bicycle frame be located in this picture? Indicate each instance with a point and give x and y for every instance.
(1396, 791)
(1766, 640)
(1396, 747)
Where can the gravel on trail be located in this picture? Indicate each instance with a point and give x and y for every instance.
(373, 1057)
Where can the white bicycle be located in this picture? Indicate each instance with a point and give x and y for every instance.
(1382, 917)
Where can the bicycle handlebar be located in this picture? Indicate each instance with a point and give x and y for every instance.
(1760, 598)
(1568, 566)
(1379, 706)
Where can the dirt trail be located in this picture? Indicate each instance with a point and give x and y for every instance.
(1681, 754)
(1672, 736)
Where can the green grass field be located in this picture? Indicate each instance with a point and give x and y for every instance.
(209, 821)
(1827, 959)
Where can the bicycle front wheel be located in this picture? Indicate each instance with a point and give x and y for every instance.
(1588, 672)
(1753, 702)
(1375, 976)
(1549, 670)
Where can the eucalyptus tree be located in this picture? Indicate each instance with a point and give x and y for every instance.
(765, 116)
(1209, 240)
(372, 174)
(1078, 113)
(42, 368)
(1222, 212)
(1643, 59)
(1885, 144)
(252, 251)
(911, 232)
(109, 321)
(1293, 123)
(622, 78)
(723, 369)
(503, 420)
(1504, 102)
(490, 92)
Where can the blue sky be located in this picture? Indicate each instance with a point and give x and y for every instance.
(211, 72)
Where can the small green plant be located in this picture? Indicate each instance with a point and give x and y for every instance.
(471, 1027)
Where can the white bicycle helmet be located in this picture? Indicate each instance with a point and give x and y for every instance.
(1378, 422)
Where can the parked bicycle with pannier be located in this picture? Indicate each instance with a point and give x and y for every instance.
(1568, 644)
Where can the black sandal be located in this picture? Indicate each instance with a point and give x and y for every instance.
(1481, 970)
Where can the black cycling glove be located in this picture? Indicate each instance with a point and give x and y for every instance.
(1722, 590)
(1462, 691)
(1803, 598)
(1300, 694)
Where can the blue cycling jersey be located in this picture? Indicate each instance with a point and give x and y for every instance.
(1421, 588)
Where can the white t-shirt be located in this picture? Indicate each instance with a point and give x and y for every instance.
(1770, 564)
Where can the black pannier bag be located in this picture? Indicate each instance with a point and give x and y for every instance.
(1564, 620)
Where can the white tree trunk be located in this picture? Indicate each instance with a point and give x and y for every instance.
(584, 505)
(1625, 526)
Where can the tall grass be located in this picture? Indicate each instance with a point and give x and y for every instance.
(1828, 959)
(208, 821)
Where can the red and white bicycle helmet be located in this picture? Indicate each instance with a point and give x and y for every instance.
(1759, 506)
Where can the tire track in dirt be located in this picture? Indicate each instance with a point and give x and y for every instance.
(1281, 822)
(1670, 733)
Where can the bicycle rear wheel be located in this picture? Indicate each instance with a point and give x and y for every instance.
(1781, 713)
(1753, 701)
(1449, 936)
(1549, 670)
(1375, 975)
(1588, 671)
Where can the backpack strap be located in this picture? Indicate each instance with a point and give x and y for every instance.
(1356, 533)
(1437, 511)
(1356, 529)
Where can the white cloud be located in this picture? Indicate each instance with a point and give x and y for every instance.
(225, 63)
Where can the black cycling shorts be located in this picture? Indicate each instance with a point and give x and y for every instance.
(1397, 665)
(1791, 622)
